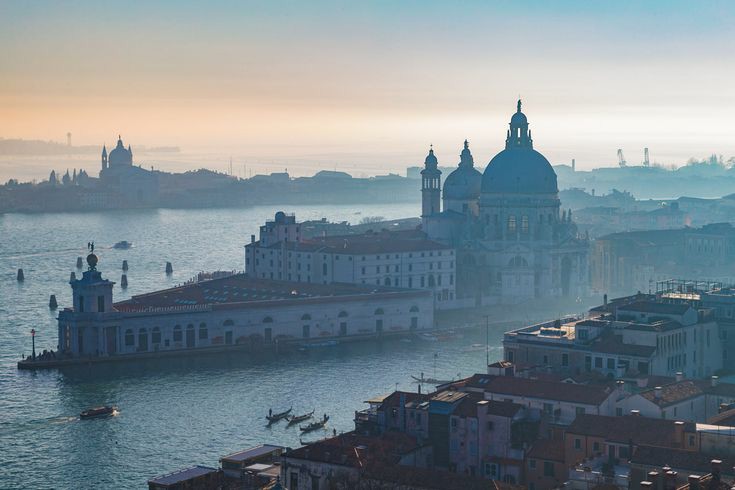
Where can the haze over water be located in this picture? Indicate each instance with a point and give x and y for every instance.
(177, 412)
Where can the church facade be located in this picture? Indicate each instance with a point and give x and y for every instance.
(133, 185)
(513, 241)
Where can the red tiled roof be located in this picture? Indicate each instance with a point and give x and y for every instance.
(426, 479)
(359, 451)
(547, 449)
(394, 399)
(639, 430)
(533, 388)
(241, 289)
(364, 244)
(674, 393)
(726, 418)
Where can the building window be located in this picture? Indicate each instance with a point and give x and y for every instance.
(129, 338)
(579, 410)
(203, 331)
(156, 335)
(81, 304)
(177, 333)
(524, 224)
(565, 360)
(577, 443)
(511, 224)
(610, 363)
(549, 468)
(532, 464)
(596, 447)
(101, 304)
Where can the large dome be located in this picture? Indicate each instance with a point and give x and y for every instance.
(463, 183)
(519, 169)
(120, 156)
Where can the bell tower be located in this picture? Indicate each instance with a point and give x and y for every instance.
(104, 157)
(430, 187)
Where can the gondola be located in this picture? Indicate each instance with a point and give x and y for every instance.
(295, 419)
(275, 417)
(315, 425)
(97, 412)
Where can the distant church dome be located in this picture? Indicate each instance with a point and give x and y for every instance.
(120, 155)
(519, 169)
(465, 182)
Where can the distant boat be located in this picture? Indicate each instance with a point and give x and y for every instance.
(275, 417)
(123, 245)
(475, 348)
(431, 381)
(295, 419)
(97, 412)
(315, 425)
(316, 345)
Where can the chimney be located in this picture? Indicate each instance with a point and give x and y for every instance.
(654, 478)
(714, 380)
(679, 376)
(657, 392)
(693, 482)
(647, 484)
(679, 434)
(635, 413)
(671, 479)
(604, 299)
(252, 238)
(716, 468)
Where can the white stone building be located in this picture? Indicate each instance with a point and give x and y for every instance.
(229, 311)
(404, 259)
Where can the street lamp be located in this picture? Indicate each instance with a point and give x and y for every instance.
(33, 343)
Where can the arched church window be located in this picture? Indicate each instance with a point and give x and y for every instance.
(524, 224)
(512, 223)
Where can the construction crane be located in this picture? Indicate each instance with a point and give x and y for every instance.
(646, 161)
(621, 158)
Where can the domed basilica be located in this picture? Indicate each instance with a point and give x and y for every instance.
(513, 242)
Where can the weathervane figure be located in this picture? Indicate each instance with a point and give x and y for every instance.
(90, 247)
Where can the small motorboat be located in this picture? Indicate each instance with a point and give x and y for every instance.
(275, 417)
(123, 245)
(97, 412)
(315, 425)
(475, 348)
(295, 419)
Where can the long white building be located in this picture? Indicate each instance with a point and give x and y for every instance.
(234, 310)
(405, 259)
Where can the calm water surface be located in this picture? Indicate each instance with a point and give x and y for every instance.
(180, 412)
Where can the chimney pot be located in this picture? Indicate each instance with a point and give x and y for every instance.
(714, 380)
(679, 376)
(635, 413)
(646, 484)
(693, 482)
(657, 392)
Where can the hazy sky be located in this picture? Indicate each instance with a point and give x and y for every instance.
(374, 81)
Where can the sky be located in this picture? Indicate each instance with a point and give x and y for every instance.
(373, 83)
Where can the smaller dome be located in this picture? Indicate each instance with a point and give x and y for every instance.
(464, 183)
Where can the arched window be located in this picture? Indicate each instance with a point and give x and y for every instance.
(518, 261)
(387, 281)
(379, 311)
(343, 314)
(414, 309)
(431, 281)
(203, 331)
(512, 223)
(324, 269)
(177, 333)
(129, 337)
(142, 340)
(305, 316)
(156, 335)
(524, 224)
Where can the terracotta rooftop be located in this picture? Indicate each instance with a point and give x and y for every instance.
(679, 460)
(359, 451)
(639, 430)
(673, 393)
(533, 388)
(239, 289)
(547, 449)
(366, 244)
(426, 479)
